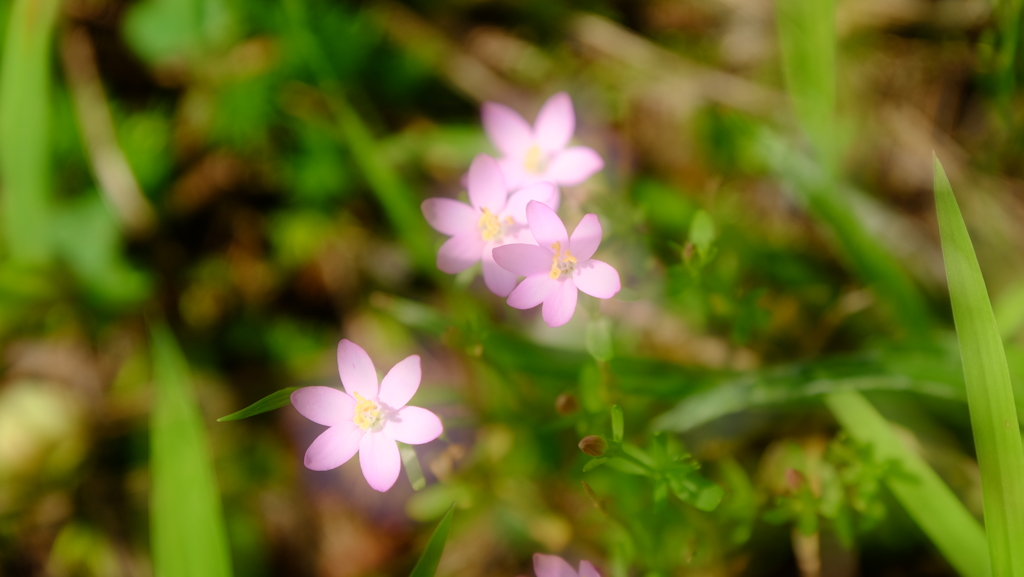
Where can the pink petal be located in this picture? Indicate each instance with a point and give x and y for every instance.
(545, 225)
(449, 216)
(498, 280)
(560, 304)
(460, 252)
(573, 166)
(524, 259)
(333, 448)
(401, 382)
(506, 129)
(597, 279)
(324, 405)
(586, 238)
(515, 172)
(487, 184)
(413, 425)
(555, 123)
(542, 192)
(551, 566)
(356, 370)
(587, 570)
(378, 457)
(532, 291)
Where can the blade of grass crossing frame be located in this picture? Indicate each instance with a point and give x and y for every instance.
(989, 394)
(274, 400)
(932, 505)
(25, 129)
(186, 524)
(427, 565)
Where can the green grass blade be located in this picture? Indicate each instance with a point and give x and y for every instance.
(989, 393)
(187, 528)
(25, 129)
(274, 400)
(957, 535)
(427, 565)
(411, 464)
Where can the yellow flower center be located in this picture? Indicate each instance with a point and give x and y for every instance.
(490, 226)
(367, 412)
(561, 264)
(534, 160)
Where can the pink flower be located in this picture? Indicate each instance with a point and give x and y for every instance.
(559, 266)
(366, 419)
(492, 218)
(540, 153)
(554, 566)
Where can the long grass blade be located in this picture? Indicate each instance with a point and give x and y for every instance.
(989, 393)
(274, 400)
(186, 523)
(427, 565)
(957, 535)
(25, 129)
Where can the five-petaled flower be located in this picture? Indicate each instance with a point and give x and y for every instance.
(557, 265)
(492, 218)
(366, 418)
(540, 153)
(555, 566)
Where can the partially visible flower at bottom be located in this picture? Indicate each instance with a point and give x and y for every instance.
(555, 566)
(366, 418)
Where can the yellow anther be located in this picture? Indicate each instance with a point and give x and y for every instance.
(561, 264)
(367, 412)
(489, 224)
(533, 160)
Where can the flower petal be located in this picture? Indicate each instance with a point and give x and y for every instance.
(532, 291)
(333, 448)
(486, 184)
(597, 279)
(551, 566)
(401, 382)
(555, 123)
(506, 129)
(379, 459)
(524, 259)
(560, 304)
(514, 170)
(449, 216)
(498, 280)
(356, 370)
(545, 225)
(413, 425)
(460, 252)
(545, 192)
(324, 405)
(587, 569)
(586, 238)
(573, 166)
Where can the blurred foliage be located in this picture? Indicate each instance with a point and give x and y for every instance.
(776, 383)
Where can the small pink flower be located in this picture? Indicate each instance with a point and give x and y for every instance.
(492, 218)
(559, 266)
(554, 566)
(366, 419)
(540, 153)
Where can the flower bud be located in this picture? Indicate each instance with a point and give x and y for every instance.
(566, 404)
(594, 445)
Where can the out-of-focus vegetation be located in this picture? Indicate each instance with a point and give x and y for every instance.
(199, 198)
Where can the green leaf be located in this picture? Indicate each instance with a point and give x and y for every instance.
(186, 524)
(25, 113)
(617, 424)
(599, 339)
(702, 235)
(989, 394)
(427, 565)
(412, 466)
(957, 535)
(274, 400)
(696, 490)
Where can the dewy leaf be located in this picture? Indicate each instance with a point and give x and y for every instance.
(989, 394)
(25, 107)
(186, 524)
(274, 400)
(957, 535)
(427, 565)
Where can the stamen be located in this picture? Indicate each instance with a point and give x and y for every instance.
(534, 160)
(367, 412)
(561, 264)
(489, 225)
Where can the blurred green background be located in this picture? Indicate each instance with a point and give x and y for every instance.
(201, 197)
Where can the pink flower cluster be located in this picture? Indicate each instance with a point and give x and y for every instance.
(510, 224)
